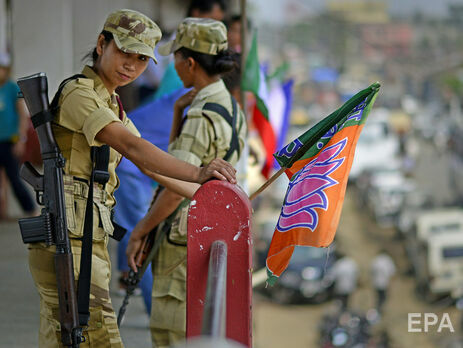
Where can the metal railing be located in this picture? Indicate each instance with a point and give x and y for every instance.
(214, 315)
(219, 265)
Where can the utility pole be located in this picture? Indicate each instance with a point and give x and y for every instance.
(244, 34)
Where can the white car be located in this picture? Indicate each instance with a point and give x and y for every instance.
(377, 145)
(445, 263)
(445, 221)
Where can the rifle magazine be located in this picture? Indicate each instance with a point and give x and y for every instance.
(36, 229)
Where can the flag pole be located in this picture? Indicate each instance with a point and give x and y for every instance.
(267, 183)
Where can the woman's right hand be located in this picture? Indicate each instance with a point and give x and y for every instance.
(219, 169)
(135, 244)
(185, 100)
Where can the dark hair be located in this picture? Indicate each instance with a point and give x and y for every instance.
(93, 55)
(232, 79)
(236, 18)
(221, 63)
(205, 6)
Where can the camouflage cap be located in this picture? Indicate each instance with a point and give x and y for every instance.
(133, 32)
(203, 35)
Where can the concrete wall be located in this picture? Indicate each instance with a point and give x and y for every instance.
(42, 38)
(3, 27)
(53, 36)
(88, 17)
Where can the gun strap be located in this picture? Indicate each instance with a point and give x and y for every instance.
(230, 119)
(83, 284)
(54, 102)
(100, 174)
(41, 118)
(100, 157)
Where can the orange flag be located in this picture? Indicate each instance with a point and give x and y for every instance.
(318, 168)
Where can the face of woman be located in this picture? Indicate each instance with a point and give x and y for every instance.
(234, 36)
(117, 68)
(183, 67)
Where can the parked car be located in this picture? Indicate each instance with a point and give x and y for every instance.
(445, 260)
(447, 222)
(382, 190)
(436, 251)
(386, 196)
(306, 278)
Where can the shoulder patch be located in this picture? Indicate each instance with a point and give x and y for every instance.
(85, 82)
(77, 83)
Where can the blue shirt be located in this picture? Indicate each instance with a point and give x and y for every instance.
(9, 118)
(170, 82)
(154, 121)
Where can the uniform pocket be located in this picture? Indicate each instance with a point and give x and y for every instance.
(102, 330)
(75, 216)
(168, 313)
(105, 218)
(179, 227)
(70, 211)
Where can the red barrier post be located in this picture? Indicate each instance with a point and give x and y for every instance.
(220, 211)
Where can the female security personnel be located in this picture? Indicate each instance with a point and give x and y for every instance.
(214, 127)
(90, 114)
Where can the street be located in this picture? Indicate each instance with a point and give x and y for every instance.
(361, 238)
(273, 325)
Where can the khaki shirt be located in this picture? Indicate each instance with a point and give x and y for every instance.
(200, 141)
(86, 107)
(197, 142)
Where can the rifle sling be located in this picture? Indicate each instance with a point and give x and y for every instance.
(100, 160)
(83, 284)
(54, 103)
(41, 118)
(231, 120)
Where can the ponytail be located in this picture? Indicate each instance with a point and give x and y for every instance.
(221, 63)
(93, 55)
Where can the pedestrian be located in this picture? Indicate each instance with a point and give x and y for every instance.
(234, 31)
(232, 81)
(14, 123)
(90, 114)
(201, 57)
(382, 270)
(345, 275)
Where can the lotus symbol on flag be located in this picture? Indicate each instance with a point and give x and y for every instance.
(306, 191)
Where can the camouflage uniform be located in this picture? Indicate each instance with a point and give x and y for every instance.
(86, 107)
(199, 142)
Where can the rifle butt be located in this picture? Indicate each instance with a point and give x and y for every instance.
(69, 317)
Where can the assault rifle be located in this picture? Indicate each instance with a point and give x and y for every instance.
(148, 250)
(50, 227)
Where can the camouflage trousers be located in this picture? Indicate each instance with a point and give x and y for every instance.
(102, 328)
(168, 301)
